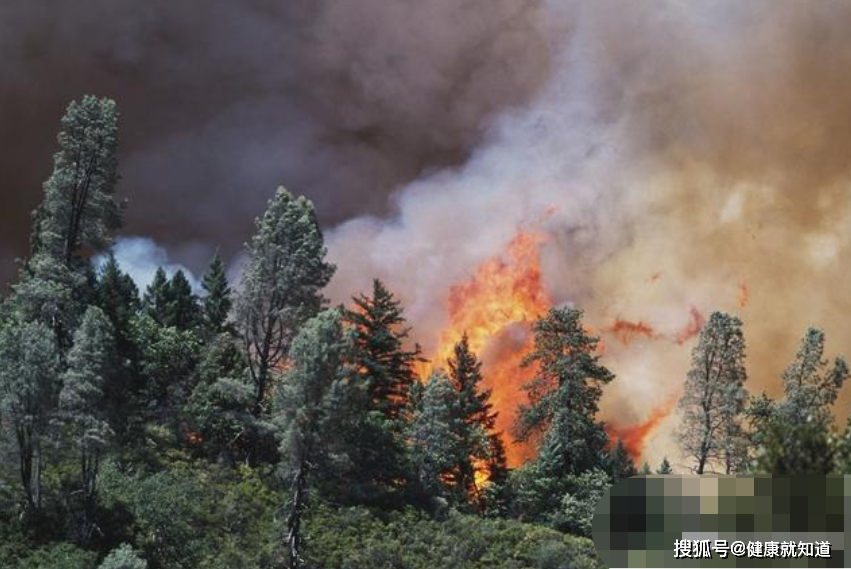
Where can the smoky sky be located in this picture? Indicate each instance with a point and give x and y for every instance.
(223, 101)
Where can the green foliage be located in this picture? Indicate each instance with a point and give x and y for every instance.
(384, 365)
(218, 411)
(281, 286)
(49, 292)
(182, 307)
(195, 516)
(564, 394)
(171, 303)
(665, 467)
(91, 363)
(56, 556)
(810, 386)
(482, 446)
(796, 448)
(29, 388)
(167, 360)
(576, 511)
(123, 557)
(437, 448)
(619, 463)
(715, 398)
(353, 538)
(217, 301)
(79, 210)
(302, 406)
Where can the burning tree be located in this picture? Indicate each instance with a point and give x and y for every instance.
(484, 460)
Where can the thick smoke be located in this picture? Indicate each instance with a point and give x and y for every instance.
(696, 157)
(222, 101)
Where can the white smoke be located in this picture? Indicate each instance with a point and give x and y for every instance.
(140, 257)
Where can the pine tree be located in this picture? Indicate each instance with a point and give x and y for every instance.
(715, 398)
(182, 305)
(435, 436)
(665, 467)
(79, 210)
(317, 358)
(29, 371)
(484, 449)
(386, 366)
(217, 302)
(564, 395)
(281, 286)
(811, 387)
(620, 463)
(645, 469)
(157, 297)
(91, 365)
(50, 293)
(118, 297)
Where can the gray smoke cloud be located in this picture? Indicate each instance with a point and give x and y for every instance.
(223, 101)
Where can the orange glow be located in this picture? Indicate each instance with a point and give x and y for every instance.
(627, 330)
(693, 328)
(634, 437)
(496, 308)
(744, 294)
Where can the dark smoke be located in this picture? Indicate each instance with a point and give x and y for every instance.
(222, 101)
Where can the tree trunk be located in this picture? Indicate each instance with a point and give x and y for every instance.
(294, 519)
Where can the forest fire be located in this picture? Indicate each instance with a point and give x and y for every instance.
(496, 308)
(633, 437)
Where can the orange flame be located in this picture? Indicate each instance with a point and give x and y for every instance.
(496, 308)
(744, 294)
(627, 330)
(634, 437)
(693, 328)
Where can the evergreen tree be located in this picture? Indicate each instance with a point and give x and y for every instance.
(665, 467)
(29, 366)
(79, 210)
(118, 297)
(217, 302)
(797, 448)
(620, 463)
(483, 448)
(645, 469)
(281, 285)
(81, 402)
(182, 305)
(49, 293)
(715, 397)
(386, 366)
(219, 410)
(316, 357)
(810, 386)
(435, 436)
(157, 297)
(564, 394)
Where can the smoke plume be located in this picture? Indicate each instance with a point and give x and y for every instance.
(223, 101)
